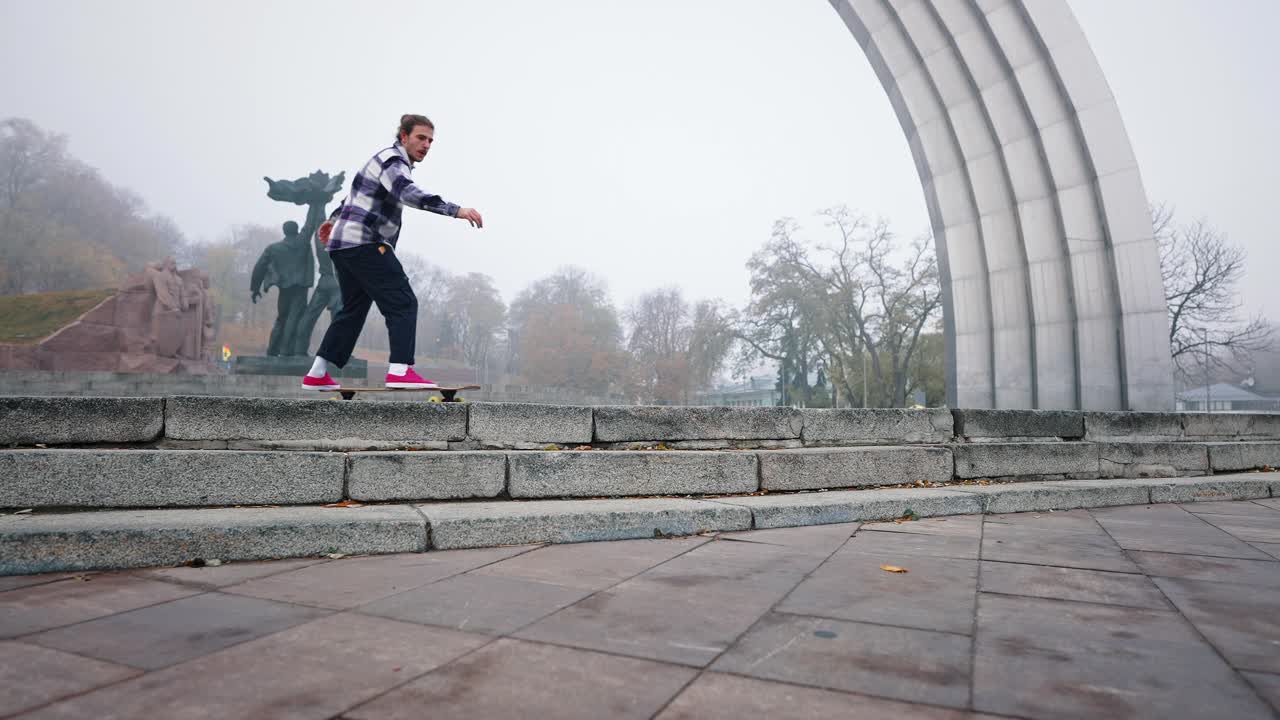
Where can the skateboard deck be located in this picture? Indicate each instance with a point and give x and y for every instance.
(447, 394)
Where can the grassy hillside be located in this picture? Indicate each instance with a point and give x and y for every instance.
(28, 319)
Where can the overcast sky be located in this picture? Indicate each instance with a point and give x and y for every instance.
(653, 143)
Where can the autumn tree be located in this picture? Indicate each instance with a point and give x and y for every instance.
(564, 331)
(860, 302)
(676, 348)
(62, 225)
(473, 315)
(780, 325)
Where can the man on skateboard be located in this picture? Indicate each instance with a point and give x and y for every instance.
(360, 237)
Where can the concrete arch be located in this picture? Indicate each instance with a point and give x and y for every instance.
(1050, 275)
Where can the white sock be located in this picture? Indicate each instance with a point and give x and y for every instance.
(397, 369)
(319, 368)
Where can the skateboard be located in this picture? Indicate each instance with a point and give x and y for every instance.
(447, 394)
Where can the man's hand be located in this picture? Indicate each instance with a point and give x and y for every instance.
(472, 216)
(254, 296)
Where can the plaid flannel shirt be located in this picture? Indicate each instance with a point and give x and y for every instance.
(371, 213)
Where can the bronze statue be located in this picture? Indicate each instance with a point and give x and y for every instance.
(290, 265)
(326, 295)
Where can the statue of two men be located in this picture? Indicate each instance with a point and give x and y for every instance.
(289, 264)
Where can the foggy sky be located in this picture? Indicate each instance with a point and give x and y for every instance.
(653, 143)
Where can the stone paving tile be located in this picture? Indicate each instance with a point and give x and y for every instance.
(162, 635)
(685, 611)
(716, 696)
(1268, 686)
(1212, 569)
(1230, 508)
(1061, 548)
(312, 671)
(1269, 502)
(1057, 521)
(346, 583)
(953, 525)
(934, 594)
(1095, 586)
(13, 582)
(590, 566)
(821, 539)
(516, 679)
(899, 663)
(1241, 621)
(33, 676)
(950, 545)
(229, 573)
(1035, 657)
(41, 607)
(477, 603)
(1249, 529)
(1159, 514)
(1175, 534)
(1053, 659)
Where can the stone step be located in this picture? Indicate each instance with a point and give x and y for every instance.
(147, 478)
(167, 478)
(327, 424)
(91, 478)
(1111, 459)
(109, 539)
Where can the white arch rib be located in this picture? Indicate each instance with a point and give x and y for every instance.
(1051, 277)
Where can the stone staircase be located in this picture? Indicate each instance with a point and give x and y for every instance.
(96, 483)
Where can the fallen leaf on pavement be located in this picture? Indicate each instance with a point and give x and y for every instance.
(893, 569)
(345, 503)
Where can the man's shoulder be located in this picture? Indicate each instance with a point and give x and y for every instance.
(388, 153)
(389, 156)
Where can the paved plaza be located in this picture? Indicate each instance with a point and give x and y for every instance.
(1161, 611)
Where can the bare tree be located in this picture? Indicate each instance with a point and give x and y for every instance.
(1201, 269)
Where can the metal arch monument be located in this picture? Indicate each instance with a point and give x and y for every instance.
(1050, 274)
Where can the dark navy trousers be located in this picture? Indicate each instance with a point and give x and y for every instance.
(369, 274)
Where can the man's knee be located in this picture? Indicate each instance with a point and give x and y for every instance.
(400, 305)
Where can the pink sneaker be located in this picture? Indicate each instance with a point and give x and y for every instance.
(410, 380)
(320, 383)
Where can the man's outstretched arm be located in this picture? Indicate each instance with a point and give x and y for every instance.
(395, 178)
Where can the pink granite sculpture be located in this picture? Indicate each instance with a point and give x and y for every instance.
(161, 321)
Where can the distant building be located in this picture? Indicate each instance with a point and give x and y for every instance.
(758, 391)
(1224, 397)
(1266, 372)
